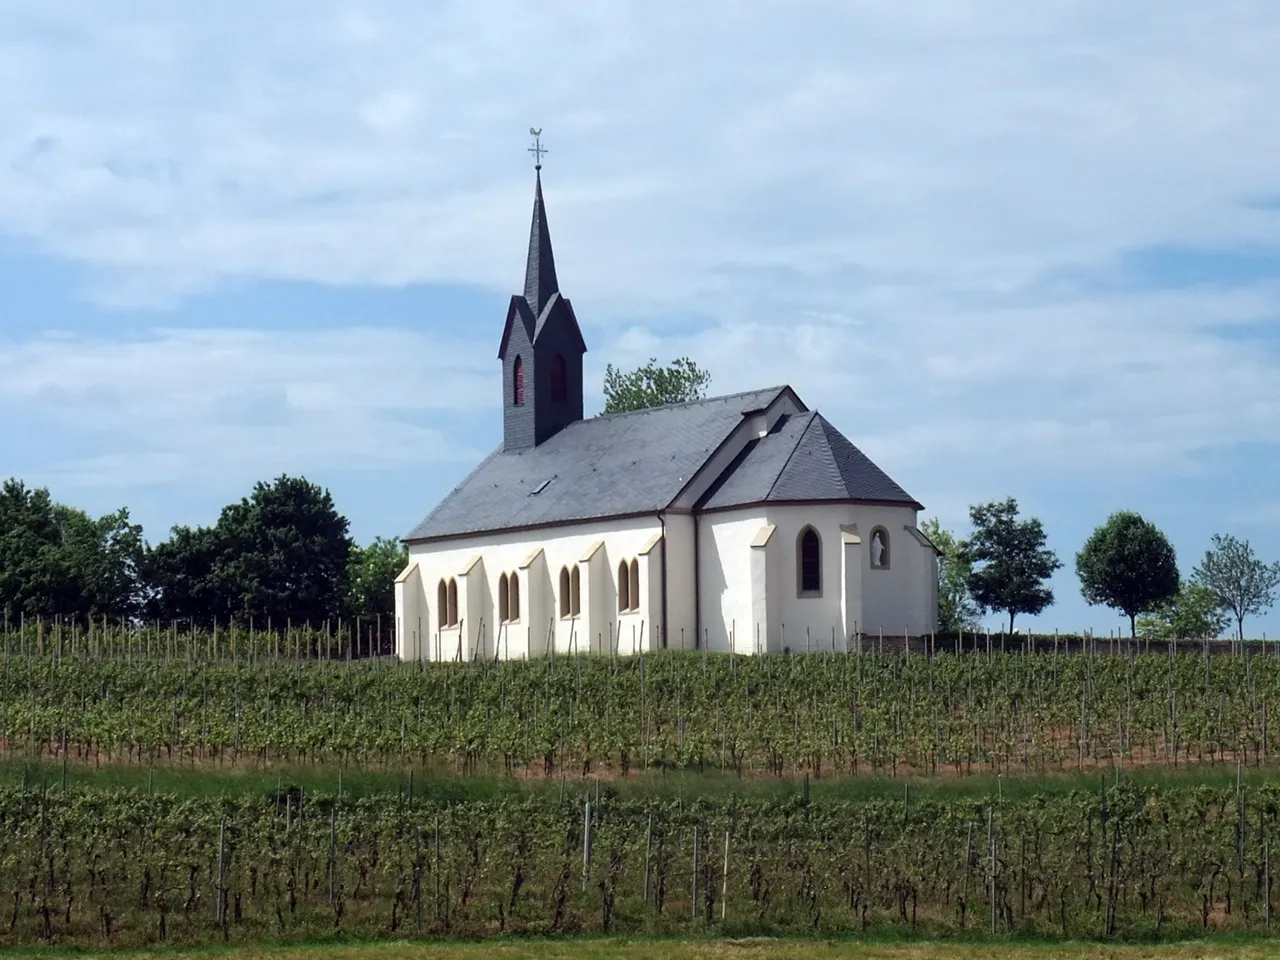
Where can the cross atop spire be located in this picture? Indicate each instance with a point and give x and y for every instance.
(537, 149)
(540, 269)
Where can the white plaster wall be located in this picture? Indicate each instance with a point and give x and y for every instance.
(539, 586)
(680, 581)
(724, 578)
(901, 597)
(806, 623)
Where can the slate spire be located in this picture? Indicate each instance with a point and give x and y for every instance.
(540, 269)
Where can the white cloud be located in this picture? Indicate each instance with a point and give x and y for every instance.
(205, 406)
(896, 208)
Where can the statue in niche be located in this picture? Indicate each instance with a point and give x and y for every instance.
(877, 549)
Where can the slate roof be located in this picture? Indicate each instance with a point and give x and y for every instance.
(804, 458)
(607, 466)
(633, 463)
(540, 269)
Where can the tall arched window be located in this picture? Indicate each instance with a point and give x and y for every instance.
(634, 577)
(624, 586)
(566, 600)
(504, 610)
(559, 379)
(513, 597)
(517, 382)
(452, 604)
(442, 605)
(808, 563)
(575, 593)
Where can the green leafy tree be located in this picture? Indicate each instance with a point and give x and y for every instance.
(1129, 565)
(652, 385)
(1241, 582)
(956, 608)
(372, 576)
(105, 560)
(1194, 613)
(1009, 559)
(282, 553)
(33, 572)
(56, 560)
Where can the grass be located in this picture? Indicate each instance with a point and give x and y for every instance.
(749, 949)
(197, 781)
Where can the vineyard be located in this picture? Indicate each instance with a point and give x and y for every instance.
(1006, 792)
(125, 867)
(820, 715)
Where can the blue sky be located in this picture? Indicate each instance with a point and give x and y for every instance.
(1010, 249)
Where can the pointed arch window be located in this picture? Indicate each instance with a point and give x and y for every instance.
(517, 382)
(809, 563)
(624, 586)
(452, 603)
(575, 593)
(513, 598)
(633, 575)
(442, 604)
(566, 600)
(504, 608)
(559, 379)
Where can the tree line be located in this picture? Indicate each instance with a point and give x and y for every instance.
(1127, 564)
(281, 552)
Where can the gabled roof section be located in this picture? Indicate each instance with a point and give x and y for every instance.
(621, 464)
(804, 458)
(517, 312)
(565, 309)
(540, 267)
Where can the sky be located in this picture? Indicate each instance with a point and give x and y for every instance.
(1009, 249)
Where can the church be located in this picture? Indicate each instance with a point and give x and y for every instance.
(744, 523)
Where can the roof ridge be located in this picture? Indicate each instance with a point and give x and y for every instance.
(812, 415)
(687, 403)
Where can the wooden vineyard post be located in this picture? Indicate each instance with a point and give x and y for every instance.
(586, 843)
(991, 862)
(724, 880)
(694, 897)
(648, 854)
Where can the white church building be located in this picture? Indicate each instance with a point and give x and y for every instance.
(745, 522)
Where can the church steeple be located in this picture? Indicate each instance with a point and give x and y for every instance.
(540, 268)
(542, 346)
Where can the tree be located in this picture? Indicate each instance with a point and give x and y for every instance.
(282, 552)
(1129, 565)
(33, 570)
(1014, 560)
(371, 577)
(105, 560)
(652, 386)
(956, 608)
(1194, 613)
(56, 560)
(1241, 582)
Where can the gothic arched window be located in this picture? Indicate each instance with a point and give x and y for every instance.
(809, 563)
(442, 605)
(634, 589)
(452, 605)
(566, 600)
(575, 593)
(559, 379)
(624, 586)
(504, 609)
(513, 598)
(517, 382)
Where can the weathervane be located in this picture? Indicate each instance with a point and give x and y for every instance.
(537, 149)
